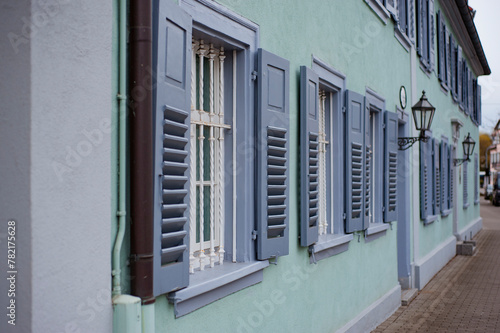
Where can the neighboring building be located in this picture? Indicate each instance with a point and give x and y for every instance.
(494, 152)
(256, 184)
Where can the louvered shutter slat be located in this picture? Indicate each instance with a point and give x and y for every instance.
(309, 135)
(390, 167)
(426, 194)
(452, 175)
(172, 109)
(432, 34)
(354, 183)
(437, 177)
(272, 155)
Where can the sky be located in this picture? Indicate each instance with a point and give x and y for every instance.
(487, 21)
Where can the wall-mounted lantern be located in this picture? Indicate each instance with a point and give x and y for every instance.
(423, 113)
(468, 145)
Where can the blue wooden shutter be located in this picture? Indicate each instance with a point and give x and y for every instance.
(440, 34)
(368, 168)
(411, 20)
(444, 176)
(452, 175)
(476, 179)
(420, 26)
(453, 66)
(432, 34)
(466, 184)
(272, 155)
(425, 180)
(478, 99)
(449, 50)
(309, 135)
(172, 107)
(436, 177)
(355, 161)
(390, 167)
(459, 74)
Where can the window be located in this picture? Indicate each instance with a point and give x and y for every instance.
(429, 182)
(425, 33)
(322, 158)
(443, 38)
(211, 147)
(454, 60)
(476, 111)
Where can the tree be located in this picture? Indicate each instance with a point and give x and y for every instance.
(484, 142)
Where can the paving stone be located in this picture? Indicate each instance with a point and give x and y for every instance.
(463, 297)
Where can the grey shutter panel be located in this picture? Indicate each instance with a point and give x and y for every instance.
(368, 166)
(479, 111)
(440, 50)
(452, 175)
(459, 74)
(471, 92)
(449, 52)
(390, 167)
(453, 66)
(467, 89)
(444, 176)
(272, 155)
(466, 184)
(437, 177)
(411, 20)
(476, 179)
(172, 108)
(309, 136)
(402, 19)
(432, 34)
(355, 159)
(425, 180)
(420, 27)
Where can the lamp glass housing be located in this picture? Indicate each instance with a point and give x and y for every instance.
(468, 145)
(423, 113)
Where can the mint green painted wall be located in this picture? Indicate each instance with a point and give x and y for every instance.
(432, 235)
(322, 297)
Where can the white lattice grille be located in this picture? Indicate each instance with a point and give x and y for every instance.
(207, 210)
(322, 157)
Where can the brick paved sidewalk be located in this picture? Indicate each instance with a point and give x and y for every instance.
(463, 297)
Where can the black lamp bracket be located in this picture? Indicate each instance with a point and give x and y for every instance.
(460, 161)
(406, 142)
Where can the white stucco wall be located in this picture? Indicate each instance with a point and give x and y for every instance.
(65, 145)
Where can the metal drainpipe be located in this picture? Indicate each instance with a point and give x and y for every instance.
(122, 145)
(141, 148)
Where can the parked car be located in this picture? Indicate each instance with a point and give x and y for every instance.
(489, 191)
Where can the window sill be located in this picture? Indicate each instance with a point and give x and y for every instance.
(375, 231)
(215, 283)
(466, 205)
(430, 219)
(329, 245)
(424, 68)
(446, 212)
(379, 9)
(402, 39)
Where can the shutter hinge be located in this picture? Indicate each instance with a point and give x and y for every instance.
(254, 75)
(383, 209)
(343, 109)
(383, 126)
(344, 216)
(254, 234)
(275, 262)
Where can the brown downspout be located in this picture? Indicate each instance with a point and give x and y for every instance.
(141, 149)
